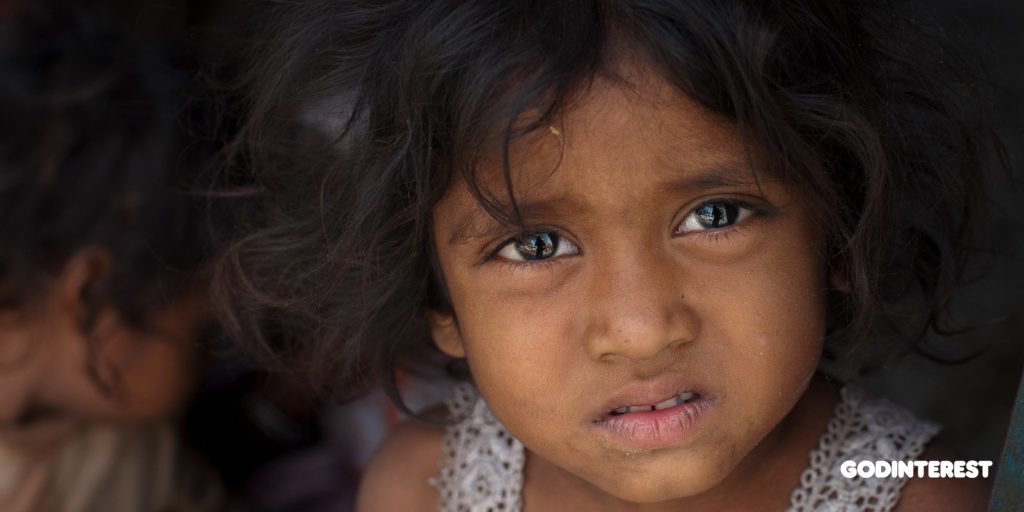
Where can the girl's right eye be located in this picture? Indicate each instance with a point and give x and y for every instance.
(536, 246)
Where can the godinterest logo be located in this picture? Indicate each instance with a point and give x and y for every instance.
(915, 468)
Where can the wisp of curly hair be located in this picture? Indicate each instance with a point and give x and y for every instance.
(359, 115)
(93, 155)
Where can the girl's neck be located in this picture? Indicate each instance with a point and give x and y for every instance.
(762, 481)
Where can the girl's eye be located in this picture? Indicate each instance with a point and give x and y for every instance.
(715, 214)
(536, 246)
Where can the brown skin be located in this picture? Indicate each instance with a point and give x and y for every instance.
(43, 350)
(738, 311)
(632, 298)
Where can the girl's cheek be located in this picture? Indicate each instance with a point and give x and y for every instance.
(526, 343)
(762, 343)
(514, 326)
(526, 284)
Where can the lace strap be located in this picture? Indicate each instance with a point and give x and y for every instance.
(860, 429)
(481, 464)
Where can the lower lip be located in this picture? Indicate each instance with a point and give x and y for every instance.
(646, 430)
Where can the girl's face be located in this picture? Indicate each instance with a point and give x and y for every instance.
(46, 386)
(656, 271)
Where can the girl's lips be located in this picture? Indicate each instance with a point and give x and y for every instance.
(658, 428)
(650, 392)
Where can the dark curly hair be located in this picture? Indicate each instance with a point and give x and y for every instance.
(358, 116)
(93, 153)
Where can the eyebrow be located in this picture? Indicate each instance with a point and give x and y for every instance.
(714, 177)
(478, 223)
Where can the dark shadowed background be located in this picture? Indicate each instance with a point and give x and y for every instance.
(972, 400)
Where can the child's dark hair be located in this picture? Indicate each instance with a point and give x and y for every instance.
(93, 155)
(360, 116)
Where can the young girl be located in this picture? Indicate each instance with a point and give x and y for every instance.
(637, 225)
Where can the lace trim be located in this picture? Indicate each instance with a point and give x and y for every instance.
(482, 464)
(860, 429)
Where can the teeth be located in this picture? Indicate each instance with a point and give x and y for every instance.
(681, 398)
(671, 402)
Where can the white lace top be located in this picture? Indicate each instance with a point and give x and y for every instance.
(482, 464)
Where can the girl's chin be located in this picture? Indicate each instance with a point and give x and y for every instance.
(644, 491)
(664, 477)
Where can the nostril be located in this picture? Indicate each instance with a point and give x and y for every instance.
(677, 343)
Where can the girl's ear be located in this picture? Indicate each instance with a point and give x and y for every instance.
(445, 331)
(82, 271)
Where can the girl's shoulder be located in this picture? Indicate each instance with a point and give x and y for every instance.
(862, 427)
(398, 477)
(436, 460)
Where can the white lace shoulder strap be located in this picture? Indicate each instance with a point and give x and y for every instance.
(482, 465)
(860, 429)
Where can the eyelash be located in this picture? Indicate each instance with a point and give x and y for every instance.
(522, 266)
(720, 235)
(707, 237)
(723, 234)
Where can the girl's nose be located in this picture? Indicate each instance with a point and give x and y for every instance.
(637, 309)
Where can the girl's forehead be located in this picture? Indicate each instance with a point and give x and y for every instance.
(645, 127)
(617, 147)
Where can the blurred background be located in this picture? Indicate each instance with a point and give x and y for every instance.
(973, 400)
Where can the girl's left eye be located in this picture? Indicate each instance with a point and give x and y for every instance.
(715, 214)
(542, 245)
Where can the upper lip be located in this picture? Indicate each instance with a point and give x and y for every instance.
(649, 392)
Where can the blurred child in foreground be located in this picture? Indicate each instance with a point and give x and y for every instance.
(101, 296)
